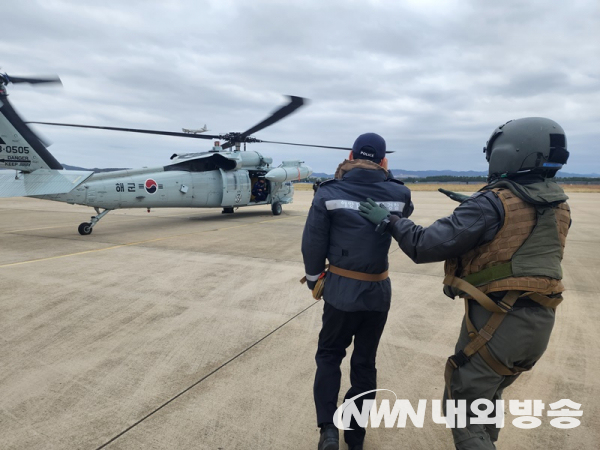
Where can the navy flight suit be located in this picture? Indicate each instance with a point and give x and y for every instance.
(335, 231)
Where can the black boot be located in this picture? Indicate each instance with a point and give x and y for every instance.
(330, 437)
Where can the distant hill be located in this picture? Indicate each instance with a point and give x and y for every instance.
(471, 173)
(436, 173)
(399, 173)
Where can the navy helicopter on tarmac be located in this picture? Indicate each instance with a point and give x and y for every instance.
(223, 177)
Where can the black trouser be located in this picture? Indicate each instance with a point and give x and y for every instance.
(336, 335)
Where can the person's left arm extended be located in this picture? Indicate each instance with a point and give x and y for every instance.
(315, 240)
(474, 222)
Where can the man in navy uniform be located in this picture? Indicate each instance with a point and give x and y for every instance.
(357, 292)
(259, 190)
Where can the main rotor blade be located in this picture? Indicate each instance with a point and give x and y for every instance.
(306, 145)
(47, 143)
(286, 110)
(311, 145)
(135, 130)
(16, 80)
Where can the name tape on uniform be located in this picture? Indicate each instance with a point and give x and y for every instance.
(349, 204)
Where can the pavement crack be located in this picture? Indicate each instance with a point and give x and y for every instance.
(172, 399)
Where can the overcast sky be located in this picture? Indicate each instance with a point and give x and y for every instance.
(434, 78)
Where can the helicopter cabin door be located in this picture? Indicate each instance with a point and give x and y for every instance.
(236, 188)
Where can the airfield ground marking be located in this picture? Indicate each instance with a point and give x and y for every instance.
(205, 377)
(113, 247)
(71, 224)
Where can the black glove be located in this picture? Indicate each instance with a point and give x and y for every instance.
(311, 284)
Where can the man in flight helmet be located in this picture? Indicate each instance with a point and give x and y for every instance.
(502, 249)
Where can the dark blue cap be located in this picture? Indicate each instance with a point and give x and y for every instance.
(369, 146)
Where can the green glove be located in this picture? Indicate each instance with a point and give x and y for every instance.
(454, 196)
(373, 212)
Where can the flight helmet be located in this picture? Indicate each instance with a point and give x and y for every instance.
(528, 145)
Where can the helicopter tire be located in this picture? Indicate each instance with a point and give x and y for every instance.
(85, 228)
(227, 211)
(276, 208)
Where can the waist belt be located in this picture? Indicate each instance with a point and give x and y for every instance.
(358, 275)
(361, 276)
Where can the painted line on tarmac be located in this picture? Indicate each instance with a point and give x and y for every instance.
(71, 225)
(130, 244)
(129, 428)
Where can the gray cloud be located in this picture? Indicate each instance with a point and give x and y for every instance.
(434, 78)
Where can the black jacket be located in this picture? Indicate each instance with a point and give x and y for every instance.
(475, 222)
(335, 231)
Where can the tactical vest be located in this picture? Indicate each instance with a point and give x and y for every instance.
(525, 255)
(522, 260)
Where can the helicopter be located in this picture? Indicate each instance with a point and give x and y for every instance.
(223, 177)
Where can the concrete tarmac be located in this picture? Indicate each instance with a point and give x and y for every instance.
(188, 329)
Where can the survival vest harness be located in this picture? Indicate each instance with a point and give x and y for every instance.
(522, 260)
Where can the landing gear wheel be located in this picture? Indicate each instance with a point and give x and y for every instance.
(85, 228)
(227, 211)
(276, 208)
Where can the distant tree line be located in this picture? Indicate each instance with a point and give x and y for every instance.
(432, 179)
(464, 179)
(445, 179)
(579, 179)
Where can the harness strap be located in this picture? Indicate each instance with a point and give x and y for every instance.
(464, 285)
(491, 326)
(544, 300)
(480, 297)
(479, 339)
(358, 275)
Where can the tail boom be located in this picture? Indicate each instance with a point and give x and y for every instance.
(20, 148)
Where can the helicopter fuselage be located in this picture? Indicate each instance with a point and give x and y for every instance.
(157, 188)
